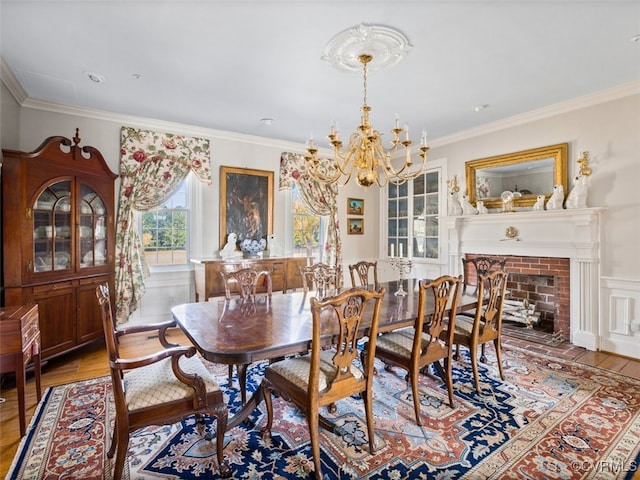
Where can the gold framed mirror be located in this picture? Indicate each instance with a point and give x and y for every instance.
(527, 173)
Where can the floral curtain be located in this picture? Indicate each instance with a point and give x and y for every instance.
(320, 199)
(152, 166)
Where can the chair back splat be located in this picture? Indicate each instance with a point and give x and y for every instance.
(158, 389)
(414, 349)
(363, 274)
(246, 281)
(330, 372)
(475, 267)
(321, 277)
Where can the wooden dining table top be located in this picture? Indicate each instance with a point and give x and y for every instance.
(237, 332)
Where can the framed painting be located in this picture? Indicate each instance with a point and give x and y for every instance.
(246, 203)
(355, 226)
(355, 206)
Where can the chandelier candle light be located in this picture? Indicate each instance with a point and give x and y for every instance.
(365, 155)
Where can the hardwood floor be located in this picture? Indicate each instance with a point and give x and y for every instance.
(91, 361)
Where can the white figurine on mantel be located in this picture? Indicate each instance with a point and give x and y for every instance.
(229, 249)
(577, 197)
(539, 205)
(481, 208)
(467, 208)
(272, 246)
(454, 204)
(557, 198)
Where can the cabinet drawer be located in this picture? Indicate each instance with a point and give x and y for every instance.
(30, 329)
(52, 287)
(19, 326)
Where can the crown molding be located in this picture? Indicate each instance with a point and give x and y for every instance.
(10, 80)
(161, 125)
(610, 94)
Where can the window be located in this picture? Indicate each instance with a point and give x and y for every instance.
(308, 230)
(165, 230)
(412, 215)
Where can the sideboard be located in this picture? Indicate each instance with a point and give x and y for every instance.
(285, 274)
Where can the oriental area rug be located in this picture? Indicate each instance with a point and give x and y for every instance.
(550, 419)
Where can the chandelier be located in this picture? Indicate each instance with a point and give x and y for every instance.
(365, 155)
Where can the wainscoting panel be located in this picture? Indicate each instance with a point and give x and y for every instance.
(163, 291)
(620, 314)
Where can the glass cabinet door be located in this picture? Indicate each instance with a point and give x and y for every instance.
(52, 223)
(92, 228)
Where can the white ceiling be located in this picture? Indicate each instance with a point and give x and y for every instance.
(227, 64)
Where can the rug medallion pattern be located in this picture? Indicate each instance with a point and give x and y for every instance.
(550, 419)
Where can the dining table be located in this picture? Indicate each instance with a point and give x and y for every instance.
(244, 331)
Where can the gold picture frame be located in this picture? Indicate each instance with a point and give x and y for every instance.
(355, 226)
(355, 206)
(246, 203)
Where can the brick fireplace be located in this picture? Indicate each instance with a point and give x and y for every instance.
(562, 244)
(543, 281)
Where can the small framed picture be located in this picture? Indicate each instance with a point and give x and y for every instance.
(355, 206)
(355, 226)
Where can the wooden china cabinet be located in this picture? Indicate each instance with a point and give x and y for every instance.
(58, 238)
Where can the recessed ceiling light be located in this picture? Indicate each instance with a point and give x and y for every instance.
(266, 121)
(95, 77)
(479, 108)
(137, 76)
(635, 38)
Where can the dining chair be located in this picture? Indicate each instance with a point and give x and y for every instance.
(325, 376)
(363, 274)
(158, 389)
(320, 277)
(244, 282)
(415, 348)
(486, 325)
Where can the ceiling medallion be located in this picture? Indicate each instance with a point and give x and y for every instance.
(386, 45)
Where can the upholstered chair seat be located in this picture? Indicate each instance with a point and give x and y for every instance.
(296, 370)
(156, 384)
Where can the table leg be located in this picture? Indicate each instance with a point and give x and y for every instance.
(37, 367)
(242, 381)
(246, 409)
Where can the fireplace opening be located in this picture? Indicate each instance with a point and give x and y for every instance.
(531, 302)
(543, 282)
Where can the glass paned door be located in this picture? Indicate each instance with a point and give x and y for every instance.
(92, 228)
(52, 228)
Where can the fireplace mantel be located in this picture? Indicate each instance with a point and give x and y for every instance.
(573, 234)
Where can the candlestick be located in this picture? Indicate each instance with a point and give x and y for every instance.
(392, 250)
(401, 250)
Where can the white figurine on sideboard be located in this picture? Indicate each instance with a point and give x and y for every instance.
(229, 249)
(557, 198)
(481, 208)
(539, 205)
